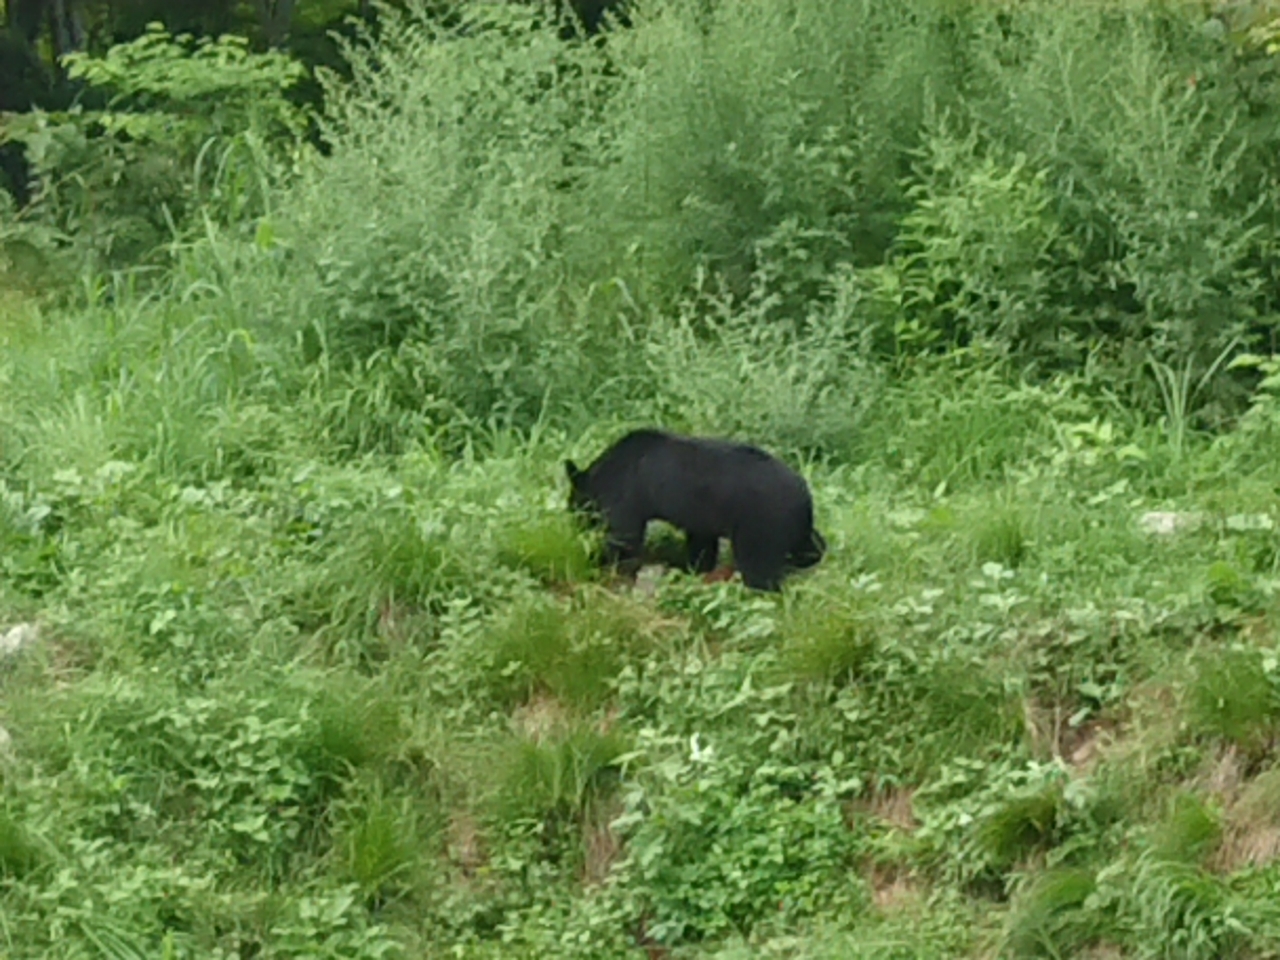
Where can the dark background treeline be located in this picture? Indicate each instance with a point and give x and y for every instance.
(37, 33)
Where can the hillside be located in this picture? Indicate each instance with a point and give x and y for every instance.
(301, 655)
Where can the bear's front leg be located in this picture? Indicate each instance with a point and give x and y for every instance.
(703, 552)
(624, 550)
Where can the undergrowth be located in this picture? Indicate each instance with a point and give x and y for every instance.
(301, 654)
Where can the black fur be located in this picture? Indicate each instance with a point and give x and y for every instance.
(709, 489)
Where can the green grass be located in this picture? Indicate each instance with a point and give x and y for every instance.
(550, 548)
(326, 669)
(387, 701)
(1048, 919)
(1233, 698)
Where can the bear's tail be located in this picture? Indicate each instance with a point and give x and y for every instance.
(810, 552)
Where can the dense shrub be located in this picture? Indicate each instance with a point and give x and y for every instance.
(517, 219)
(189, 128)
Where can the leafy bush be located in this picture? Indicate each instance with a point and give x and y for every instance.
(190, 126)
(717, 848)
(1232, 697)
(574, 652)
(976, 251)
(1050, 919)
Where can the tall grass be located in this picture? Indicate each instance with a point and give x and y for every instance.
(508, 226)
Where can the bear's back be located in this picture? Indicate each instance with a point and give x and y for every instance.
(628, 450)
(648, 457)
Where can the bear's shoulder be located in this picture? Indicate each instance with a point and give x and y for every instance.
(638, 442)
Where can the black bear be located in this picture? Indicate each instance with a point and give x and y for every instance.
(709, 489)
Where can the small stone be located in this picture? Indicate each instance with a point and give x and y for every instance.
(647, 579)
(15, 638)
(1165, 523)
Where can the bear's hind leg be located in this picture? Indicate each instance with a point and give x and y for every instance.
(703, 552)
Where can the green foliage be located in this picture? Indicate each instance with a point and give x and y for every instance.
(549, 547)
(985, 820)
(381, 840)
(1188, 834)
(1001, 538)
(19, 854)
(1049, 919)
(325, 669)
(977, 248)
(1232, 697)
(357, 725)
(517, 219)
(559, 777)
(826, 640)
(1184, 909)
(968, 425)
(190, 128)
(157, 68)
(572, 652)
(1019, 826)
(718, 847)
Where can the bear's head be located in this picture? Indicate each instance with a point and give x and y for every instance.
(581, 501)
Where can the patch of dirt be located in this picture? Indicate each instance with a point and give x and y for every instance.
(1043, 725)
(1258, 631)
(68, 661)
(1051, 734)
(1102, 951)
(1152, 702)
(540, 718)
(1082, 746)
(893, 889)
(464, 844)
(892, 806)
(1241, 847)
(609, 720)
(391, 619)
(602, 848)
(562, 588)
(1147, 723)
(722, 575)
(399, 624)
(1251, 830)
(1225, 776)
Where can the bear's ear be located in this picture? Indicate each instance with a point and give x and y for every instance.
(571, 469)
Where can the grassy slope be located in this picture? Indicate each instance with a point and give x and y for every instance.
(295, 699)
(317, 704)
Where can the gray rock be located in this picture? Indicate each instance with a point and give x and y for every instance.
(1165, 523)
(13, 640)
